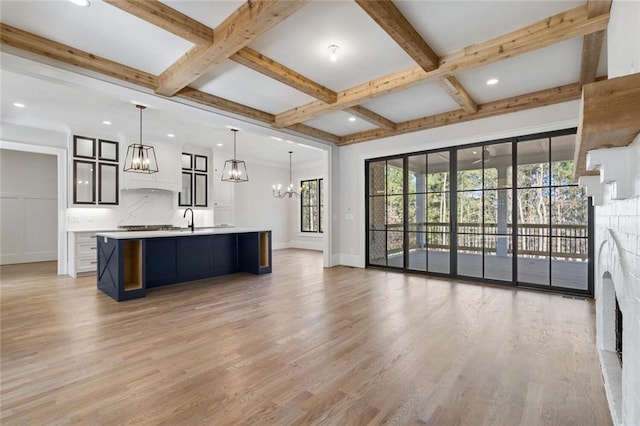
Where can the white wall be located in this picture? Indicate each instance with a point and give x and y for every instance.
(255, 206)
(28, 207)
(304, 240)
(618, 238)
(350, 180)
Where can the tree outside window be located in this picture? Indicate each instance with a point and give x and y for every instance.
(311, 205)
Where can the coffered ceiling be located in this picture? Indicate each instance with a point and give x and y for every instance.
(401, 66)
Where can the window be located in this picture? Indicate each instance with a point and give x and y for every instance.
(311, 206)
(194, 181)
(504, 211)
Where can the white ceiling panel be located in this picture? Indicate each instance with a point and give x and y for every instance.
(448, 26)
(301, 43)
(338, 123)
(241, 84)
(99, 29)
(210, 13)
(421, 101)
(553, 66)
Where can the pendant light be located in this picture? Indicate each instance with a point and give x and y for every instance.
(234, 170)
(277, 190)
(141, 158)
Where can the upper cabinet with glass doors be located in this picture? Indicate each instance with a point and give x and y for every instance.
(95, 171)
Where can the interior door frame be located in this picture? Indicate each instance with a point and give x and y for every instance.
(61, 160)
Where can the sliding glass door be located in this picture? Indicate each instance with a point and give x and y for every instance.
(505, 211)
(428, 206)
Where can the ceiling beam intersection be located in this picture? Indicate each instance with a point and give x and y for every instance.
(546, 32)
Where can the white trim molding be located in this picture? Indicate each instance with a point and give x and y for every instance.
(61, 155)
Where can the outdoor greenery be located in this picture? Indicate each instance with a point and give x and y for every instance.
(547, 195)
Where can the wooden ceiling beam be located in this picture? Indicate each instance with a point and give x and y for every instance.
(33, 43)
(452, 86)
(538, 99)
(157, 13)
(167, 18)
(393, 22)
(29, 42)
(245, 24)
(267, 66)
(592, 43)
(371, 117)
(555, 29)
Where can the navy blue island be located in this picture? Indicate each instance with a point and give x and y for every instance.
(129, 263)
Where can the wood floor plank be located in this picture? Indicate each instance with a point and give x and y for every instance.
(303, 345)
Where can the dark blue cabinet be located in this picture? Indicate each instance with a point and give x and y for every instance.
(195, 257)
(225, 258)
(161, 261)
(126, 268)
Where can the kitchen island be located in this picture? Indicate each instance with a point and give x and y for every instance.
(129, 263)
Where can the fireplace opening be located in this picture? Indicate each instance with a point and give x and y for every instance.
(618, 332)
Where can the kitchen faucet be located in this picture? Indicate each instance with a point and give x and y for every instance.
(185, 215)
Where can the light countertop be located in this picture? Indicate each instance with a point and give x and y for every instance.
(132, 235)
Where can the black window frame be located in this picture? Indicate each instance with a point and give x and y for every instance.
(453, 225)
(319, 204)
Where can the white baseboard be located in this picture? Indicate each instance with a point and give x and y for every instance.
(280, 245)
(351, 260)
(9, 259)
(307, 245)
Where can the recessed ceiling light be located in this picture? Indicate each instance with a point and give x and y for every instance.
(352, 119)
(107, 123)
(492, 81)
(219, 144)
(333, 52)
(83, 3)
(475, 152)
(171, 135)
(19, 105)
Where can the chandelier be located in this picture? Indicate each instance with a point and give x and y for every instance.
(234, 170)
(277, 190)
(140, 158)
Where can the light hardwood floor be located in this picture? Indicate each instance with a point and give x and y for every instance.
(304, 345)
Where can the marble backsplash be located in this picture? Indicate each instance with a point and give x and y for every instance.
(137, 207)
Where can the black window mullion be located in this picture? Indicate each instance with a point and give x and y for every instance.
(405, 212)
(514, 210)
(453, 212)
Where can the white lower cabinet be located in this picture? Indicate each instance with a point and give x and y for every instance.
(83, 253)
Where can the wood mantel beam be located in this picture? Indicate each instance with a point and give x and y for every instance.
(245, 24)
(555, 29)
(538, 99)
(592, 43)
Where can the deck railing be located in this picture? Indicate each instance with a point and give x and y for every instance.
(569, 242)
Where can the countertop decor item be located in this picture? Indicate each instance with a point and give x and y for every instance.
(234, 170)
(141, 158)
